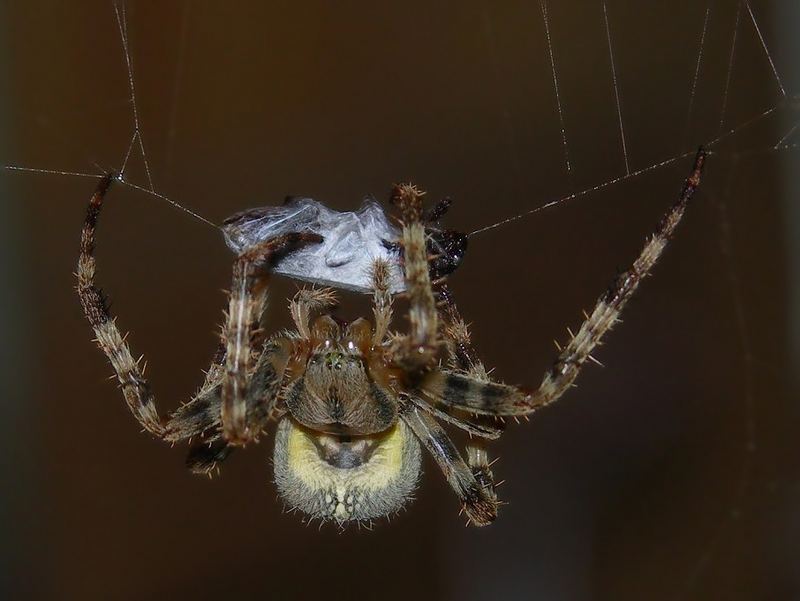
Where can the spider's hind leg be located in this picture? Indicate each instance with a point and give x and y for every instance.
(136, 390)
(477, 496)
(202, 418)
(203, 456)
(478, 462)
(462, 357)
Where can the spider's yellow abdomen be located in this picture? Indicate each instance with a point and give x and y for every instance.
(345, 478)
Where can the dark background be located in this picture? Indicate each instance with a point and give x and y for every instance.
(672, 473)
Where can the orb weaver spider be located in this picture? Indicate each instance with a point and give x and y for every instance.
(353, 401)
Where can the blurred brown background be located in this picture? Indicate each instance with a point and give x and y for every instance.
(638, 485)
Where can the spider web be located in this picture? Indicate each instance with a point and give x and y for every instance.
(735, 26)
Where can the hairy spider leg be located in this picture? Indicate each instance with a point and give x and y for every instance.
(416, 354)
(135, 388)
(417, 350)
(306, 301)
(204, 419)
(463, 392)
(480, 507)
(381, 300)
(248, 297)
(203, 412)
(462, 357)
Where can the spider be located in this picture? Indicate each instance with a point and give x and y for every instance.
(355, 402)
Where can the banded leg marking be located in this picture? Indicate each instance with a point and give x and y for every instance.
(456, 390)
(136, 390)
(607, 310)
(248, 299)
(479, 504)
(260, 400)
(419, 348)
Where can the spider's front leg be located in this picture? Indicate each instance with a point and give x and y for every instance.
(456, 390)
(248, 298)
(136, 390)
(418, 349)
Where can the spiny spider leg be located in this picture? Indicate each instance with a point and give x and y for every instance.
(202, 415)
(381, 300)
(463, 392)
(463, 357)
(248, 297)
(255, 382)
(202, 412)
(474, 425)
(417, 351)
(425, 313)
(382, 309)
(473, 484)
(261, 400)
(306, 301)
(477, 499)
(135, 388)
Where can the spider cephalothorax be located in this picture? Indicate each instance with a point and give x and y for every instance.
(353, 401)
(340, 452)
(338, 381)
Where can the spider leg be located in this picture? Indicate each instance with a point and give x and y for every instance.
(205, 420)
(463, 357)
(381, 300)
(205, 456)
(248, 298)
(467, 393)
(137, 392)
(478, 462)
(477, 497)
(199, 413)
(306, 301)
(191, 419)
(417, 350)
(474, 425)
